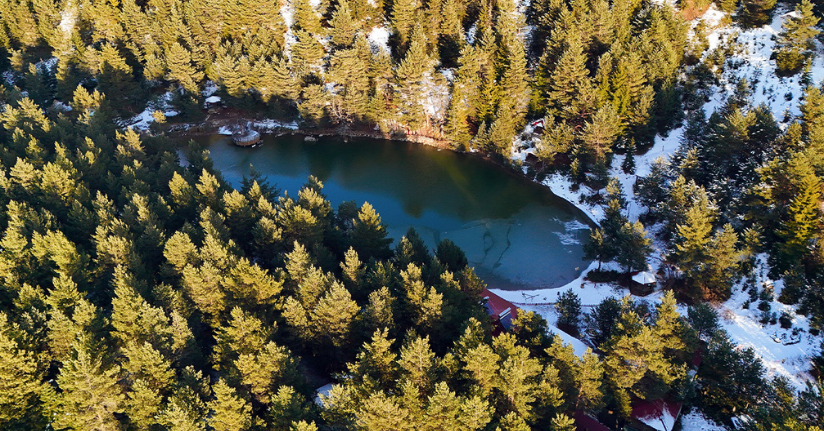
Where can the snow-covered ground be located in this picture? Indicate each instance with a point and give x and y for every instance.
(143, 120)
(695, 421)
(784, 352)
(776, 347)
(379, 39)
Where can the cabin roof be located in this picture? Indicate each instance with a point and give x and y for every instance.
(658, 414)
(585, 422)
(644, 277)
(499, 309)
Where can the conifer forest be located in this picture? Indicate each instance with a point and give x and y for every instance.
(142, 290)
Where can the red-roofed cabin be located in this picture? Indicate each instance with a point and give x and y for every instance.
(657, 415)
(500, 310)
(585, 422)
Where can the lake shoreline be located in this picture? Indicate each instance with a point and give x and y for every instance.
(213, 126)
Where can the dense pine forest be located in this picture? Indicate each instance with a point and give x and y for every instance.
(140, 293)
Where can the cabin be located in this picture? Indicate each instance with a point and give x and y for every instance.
(647, 415)
(657, 415)
(245, 136)
(586, 422)
(642, 283)
(212, 103)
(500, 310)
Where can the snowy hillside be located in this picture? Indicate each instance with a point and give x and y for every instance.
(784, 352)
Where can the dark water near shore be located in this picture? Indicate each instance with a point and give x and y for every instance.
(514, 232)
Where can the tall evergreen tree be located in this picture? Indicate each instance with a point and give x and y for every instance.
(90, 395)
(796, 40)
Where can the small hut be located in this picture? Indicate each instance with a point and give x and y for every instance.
(245, 136)
(501, 311)
(643, 283)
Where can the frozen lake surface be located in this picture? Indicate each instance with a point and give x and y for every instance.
(516, 233)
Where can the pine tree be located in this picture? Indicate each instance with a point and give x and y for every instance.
(229, 411)
(306, 53)
(693, 240)
(334, 314)
(90, 395)
(569, 79)
(628, 166)
(633, 247)
(600, 133)
(381, 412)
(803, 214)
(416, 362)
(796, 40)
(724, 259)
(344, 27)
(20, 381)
(306, 18)
(404, 17)
(597, 248)
(183, 412)
(569, 310)
(425, 305)
(369, 234)
(518, 377)
(181, 70)
(756, 13)
(143, 405)
(146, 364)
(590, 380)
(415, 67)
(562, 422)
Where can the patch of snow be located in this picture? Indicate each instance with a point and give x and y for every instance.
(589, 293)
(224, 130)
(470, 35)
(143, 120)
(209, 89)
(288, 15)
(449, 74)
(567, 239)
(323, 390)
(695, 421)
(379, 39)
(562, 187)
(289, 39)
(782, 352)
(212, 99)
(68, 19)
(751, 61)
(47, 64)
(269, 124)
(435, 100)
(315, 4)
(8, 78)
(577, 345)
(60, 106)
(575, 225)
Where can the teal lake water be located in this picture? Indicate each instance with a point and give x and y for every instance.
(516, 233)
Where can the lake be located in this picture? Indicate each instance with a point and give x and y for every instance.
(516, 233)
